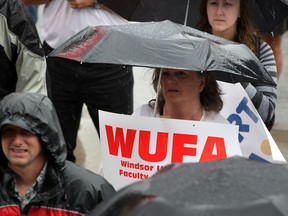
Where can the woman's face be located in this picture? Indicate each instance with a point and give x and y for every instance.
(222, 16)
(181, 85)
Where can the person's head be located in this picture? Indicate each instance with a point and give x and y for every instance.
(30, 131)
(228, 18)
(181, 86)
(22, 148)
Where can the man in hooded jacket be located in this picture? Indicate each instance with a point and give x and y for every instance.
(34, 175)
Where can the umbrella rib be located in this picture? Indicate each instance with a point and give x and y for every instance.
(184, 34)
(157, 95)
(231, 78)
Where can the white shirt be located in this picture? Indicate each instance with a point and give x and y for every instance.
(60, 21)
(146, 110)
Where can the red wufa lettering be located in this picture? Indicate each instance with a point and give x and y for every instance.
(183, 145)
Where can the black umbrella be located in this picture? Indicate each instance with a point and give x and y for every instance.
(165, 45)
(234, 186)
(179, 11)
(268, 13)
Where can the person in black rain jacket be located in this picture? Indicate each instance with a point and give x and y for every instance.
(35, 177)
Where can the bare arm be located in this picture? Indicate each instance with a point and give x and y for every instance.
(79, 4)
(76, 4)
(35, 2)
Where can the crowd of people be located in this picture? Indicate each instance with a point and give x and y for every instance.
(41, 99)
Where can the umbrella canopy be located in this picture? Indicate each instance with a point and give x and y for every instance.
(165, 45)
(234, 186)
(268, 13)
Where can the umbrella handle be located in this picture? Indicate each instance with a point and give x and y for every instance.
(186, 13)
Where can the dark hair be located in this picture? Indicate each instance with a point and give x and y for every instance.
(245, 28)
(210, 97)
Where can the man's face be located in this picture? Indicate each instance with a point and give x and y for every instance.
(22, 148)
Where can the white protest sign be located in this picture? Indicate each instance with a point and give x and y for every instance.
(255, 140)
(133, 148)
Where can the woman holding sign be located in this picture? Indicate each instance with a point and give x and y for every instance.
(183, 94)
(231, 19)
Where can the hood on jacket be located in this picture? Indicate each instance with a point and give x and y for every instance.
(35, 112)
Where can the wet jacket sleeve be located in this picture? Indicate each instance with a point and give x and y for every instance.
(85, 189)
(23, 49)
(31, 71)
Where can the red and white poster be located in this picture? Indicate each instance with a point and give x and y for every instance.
(133, 148)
